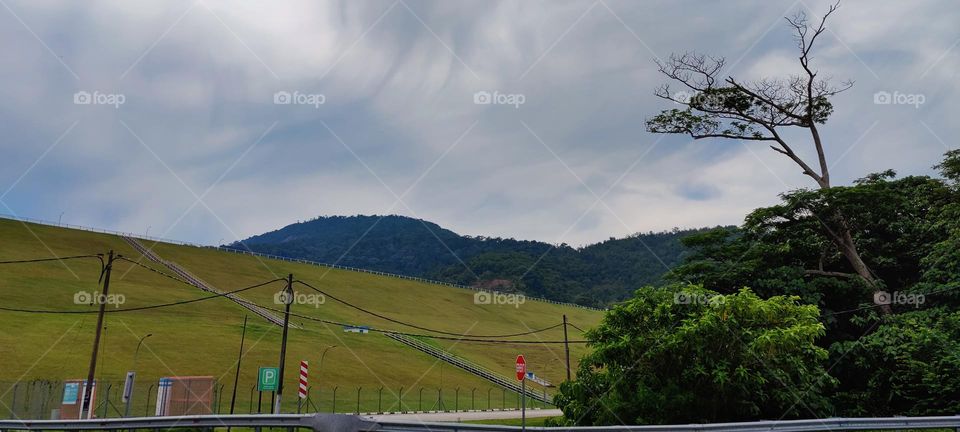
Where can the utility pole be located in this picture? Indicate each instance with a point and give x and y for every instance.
(288, 299)
(102, 298)
(566, 345)
(236, 377)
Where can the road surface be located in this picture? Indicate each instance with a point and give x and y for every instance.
(467, 415)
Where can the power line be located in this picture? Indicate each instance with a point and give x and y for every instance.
(38, 260)
(467, 338)
(139, 308)
(395, 321)
(148, 268)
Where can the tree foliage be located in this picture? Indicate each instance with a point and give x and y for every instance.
(710, 358)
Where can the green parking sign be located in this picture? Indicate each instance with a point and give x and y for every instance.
(269, 379)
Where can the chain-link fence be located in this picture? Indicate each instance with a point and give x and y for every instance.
(42, 399)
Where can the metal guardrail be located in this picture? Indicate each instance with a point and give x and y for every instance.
(279, 258)
(351, 423)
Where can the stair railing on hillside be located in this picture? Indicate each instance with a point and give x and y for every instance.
(281, 258)
(199, 283)
(466, 365)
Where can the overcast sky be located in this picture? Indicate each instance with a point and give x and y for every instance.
(185, 135)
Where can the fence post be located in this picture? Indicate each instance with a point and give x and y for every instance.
(420, 404)
(380, 401)
(358, 400)
(146, 409)
(456, 399)
(13, 406)
(488, 397)
(400, 401)
(334, 410)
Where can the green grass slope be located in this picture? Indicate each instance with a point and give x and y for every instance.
(202, 338)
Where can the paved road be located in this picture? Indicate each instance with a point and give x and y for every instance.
(474, 415)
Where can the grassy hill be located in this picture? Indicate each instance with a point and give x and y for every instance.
(202, 338)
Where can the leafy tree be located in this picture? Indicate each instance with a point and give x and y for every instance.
(761, 111)
(908, 366)
(910, 229)
(684, 354)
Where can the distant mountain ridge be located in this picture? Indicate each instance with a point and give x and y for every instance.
(595, 275)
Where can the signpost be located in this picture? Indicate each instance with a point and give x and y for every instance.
(269, 379)
(521, 376)
(128, 392)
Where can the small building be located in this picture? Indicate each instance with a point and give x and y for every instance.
(356, 329)
(73, 392)
(190, 395)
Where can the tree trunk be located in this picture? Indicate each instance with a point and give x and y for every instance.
(849, 250)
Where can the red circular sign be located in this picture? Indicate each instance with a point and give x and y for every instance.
(521, 368)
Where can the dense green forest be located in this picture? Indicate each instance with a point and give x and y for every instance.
(595, 275)
(770, 320)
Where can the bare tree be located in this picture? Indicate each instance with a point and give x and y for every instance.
(715, 107)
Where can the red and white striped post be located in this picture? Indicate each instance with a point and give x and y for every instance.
(303, 384)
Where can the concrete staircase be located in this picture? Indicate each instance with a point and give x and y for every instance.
(509, 383)
(199, 283)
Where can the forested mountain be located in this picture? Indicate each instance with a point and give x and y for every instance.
(594, 275)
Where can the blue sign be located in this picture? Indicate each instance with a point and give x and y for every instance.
(71, 391)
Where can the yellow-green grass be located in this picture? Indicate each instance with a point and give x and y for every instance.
(203, 338)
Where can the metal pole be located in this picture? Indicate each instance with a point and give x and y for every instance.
(133, 379)
(236, 376)
(87, 390)
(380, 401)
(566, 345)
(334, 410)
(523, 404)
(146, 410)
(358, 400)
(288, 299)
(400, 400)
